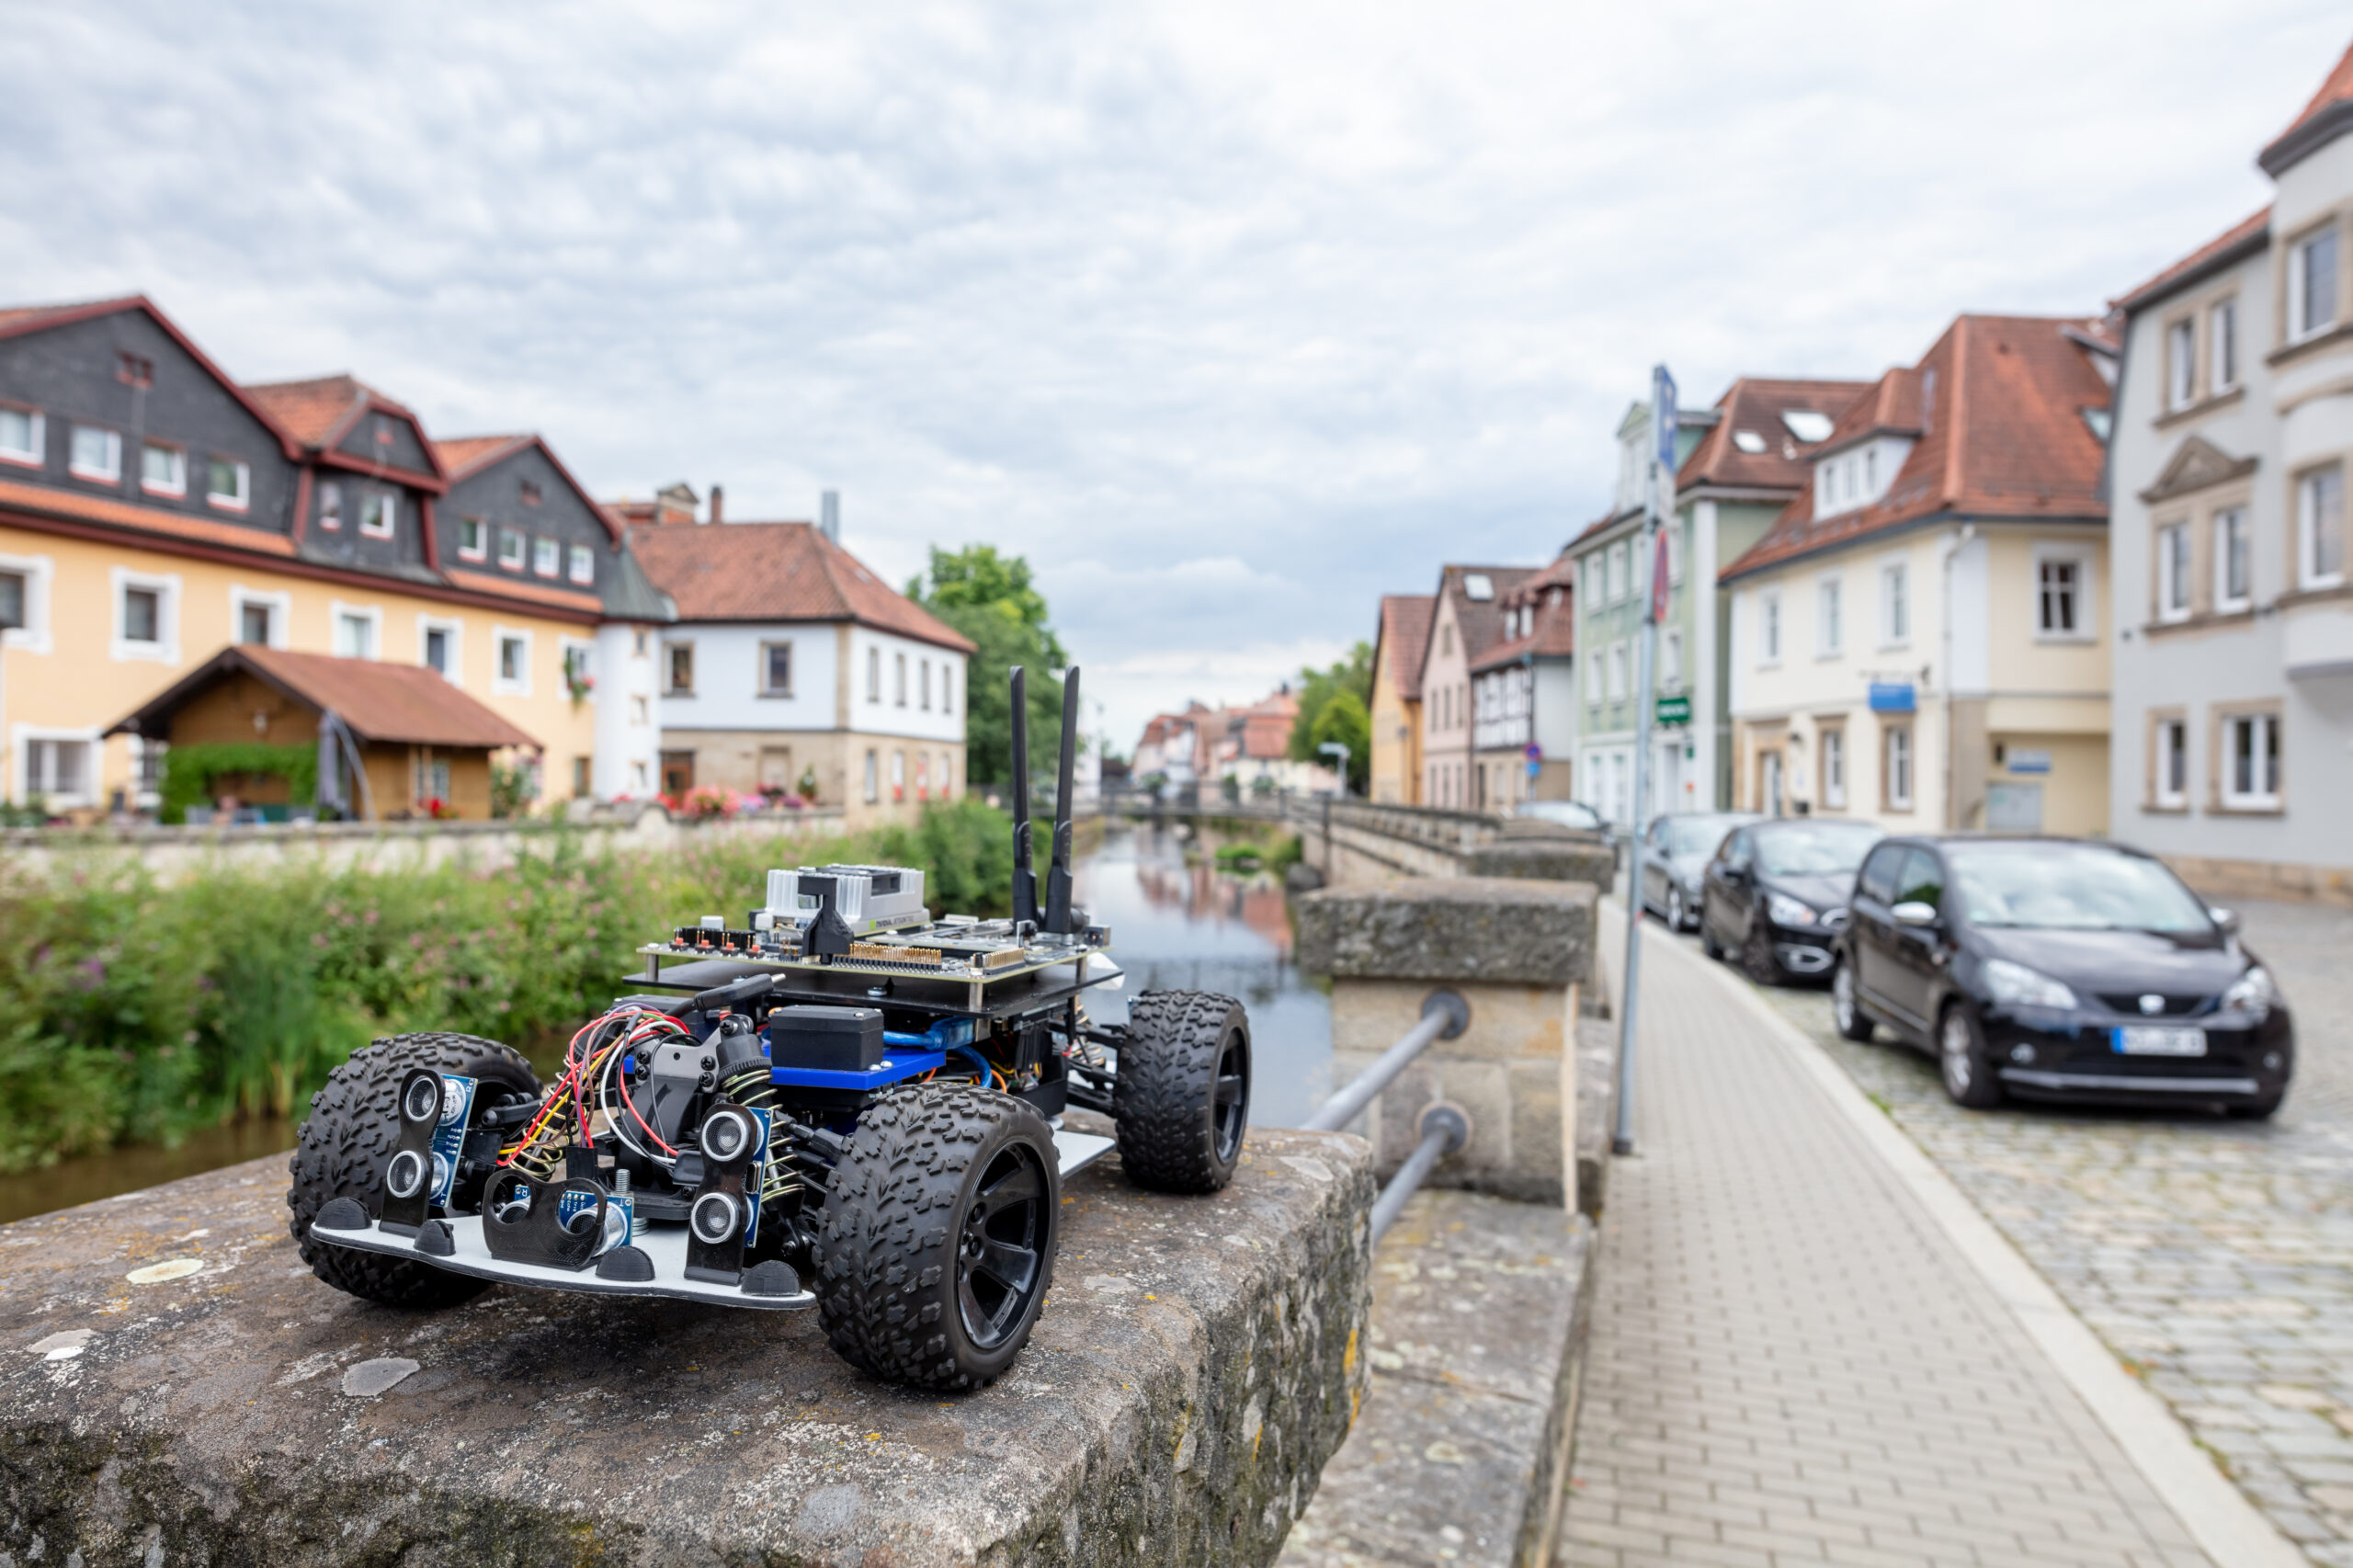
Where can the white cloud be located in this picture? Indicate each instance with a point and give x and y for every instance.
(1230, 317)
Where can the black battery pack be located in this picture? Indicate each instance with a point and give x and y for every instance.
(826, 1039)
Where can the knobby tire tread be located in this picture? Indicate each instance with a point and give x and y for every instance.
(1161, 1096)
(353, 1127)
(887, 1233)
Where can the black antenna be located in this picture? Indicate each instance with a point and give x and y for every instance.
(1025, 879)
(1058, 869)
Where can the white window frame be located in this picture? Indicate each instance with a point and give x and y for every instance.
(1834, 767)
(112, 472)
(2299, 326)
(520, 558)
(2263, 726)
(175, 486)
(20, 747)
(500, 682)
(1674, 531)
(2226, 521)
(2087, 626)
(2171, 738)
(546, 557)
(454, 634)
(640, 709)
(2307, 527)
(331, 516)
(898, 680)
(1895, 602)
(566, 647)
(39, 572)
(1618, 671)
(165, 586)
(923, 685)
(36, 454)
(1593, 673)
(582, 566)
(386, 504)
(1768, 629)
(874, 675)
(946, 688)
(2181, 363)
(479, 549)
(1620, 584)
(1829, 615)
(280, 602)
(1901, 761)
(791, 660)
(239, 500)
(873, 776)
(2222, 345)
(2174, 556)
(338, 611)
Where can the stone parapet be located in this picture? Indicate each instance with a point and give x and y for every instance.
(1517, 952)
(1198, 1362)
(1559, 860)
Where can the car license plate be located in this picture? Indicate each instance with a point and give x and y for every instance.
(2159, 1039)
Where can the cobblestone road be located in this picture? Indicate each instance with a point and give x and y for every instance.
(1791, 1363)
(2215, 1257)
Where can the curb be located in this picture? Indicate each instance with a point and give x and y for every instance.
(2213, 1510)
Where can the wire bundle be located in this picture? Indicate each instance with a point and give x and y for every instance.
(591, 1075)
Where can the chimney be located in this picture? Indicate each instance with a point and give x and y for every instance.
(718, 505)
(829, 515)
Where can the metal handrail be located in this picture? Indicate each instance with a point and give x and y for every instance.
(1444, 1129)
(1445, 1015)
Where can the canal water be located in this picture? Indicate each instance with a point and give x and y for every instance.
(1176, 922)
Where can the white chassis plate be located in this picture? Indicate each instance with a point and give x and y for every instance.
(664, 1244)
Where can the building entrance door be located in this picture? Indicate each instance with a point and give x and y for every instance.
(677, 773)
(1771, 794)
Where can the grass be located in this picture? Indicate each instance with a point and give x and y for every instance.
(135, 1010)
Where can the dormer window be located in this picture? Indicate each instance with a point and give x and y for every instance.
(20, 437)
(163, 470)
(583, 564)
(331, 506)
(546, 557)
(474, 539)
(135, 370)
(380, 512)
(510, 548)
(384, 430)
(530, 493)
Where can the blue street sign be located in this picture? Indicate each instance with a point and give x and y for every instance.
(1663, 413)
(1892, 697)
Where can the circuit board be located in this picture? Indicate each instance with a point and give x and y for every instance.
(955, 948)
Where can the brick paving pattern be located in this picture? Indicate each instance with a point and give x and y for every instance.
(2214, 1256)
(1790, 1364)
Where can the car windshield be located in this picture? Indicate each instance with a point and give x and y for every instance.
(1694, 836)
(2070, 886)
(1812, 849)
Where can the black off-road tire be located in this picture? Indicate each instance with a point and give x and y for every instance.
(1757, 959)
(898, 1206)
(353, 1127)
(1180, 1121)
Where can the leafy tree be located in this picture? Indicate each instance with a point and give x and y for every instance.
(1353, 675)
(1343, 719)
(990, 599)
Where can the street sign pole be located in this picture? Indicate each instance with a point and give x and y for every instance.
(1653, 552)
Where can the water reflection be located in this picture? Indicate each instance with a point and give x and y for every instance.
(1181, 924)
(1176, 923)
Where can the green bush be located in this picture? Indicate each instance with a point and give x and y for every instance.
(141, 1010)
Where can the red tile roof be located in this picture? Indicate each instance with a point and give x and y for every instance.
(776, 572)
(2324, 118)
(32, 318)
(317, 410)
(2246, 230)
(1480, 622)
(2005, 436)
(1756, 404)
(398, 704)
(1404, 637)
(1889, 406)
(1555, 633)
(463, 454)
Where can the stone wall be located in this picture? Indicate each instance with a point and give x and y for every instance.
(1517, 952)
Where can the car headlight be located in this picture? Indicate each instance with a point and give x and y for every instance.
(2253, 992)
(1788, 911)
(2014, 985)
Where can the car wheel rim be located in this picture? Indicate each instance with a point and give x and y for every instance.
(1232, 1096)
(1960, 1071)
(1001, 1246)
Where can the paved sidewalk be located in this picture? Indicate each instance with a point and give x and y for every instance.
(1791, 1363)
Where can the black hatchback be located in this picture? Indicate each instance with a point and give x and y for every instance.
(1776, 893)
(2060, 970)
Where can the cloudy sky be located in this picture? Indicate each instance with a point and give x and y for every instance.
(1230, 315)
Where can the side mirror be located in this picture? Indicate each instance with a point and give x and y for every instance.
(1914, 913)
(2227, 919)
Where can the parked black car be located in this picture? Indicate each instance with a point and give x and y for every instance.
(2056, 969)
(1674, 860)
(1776, 893)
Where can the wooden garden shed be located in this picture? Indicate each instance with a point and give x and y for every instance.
(288, 732)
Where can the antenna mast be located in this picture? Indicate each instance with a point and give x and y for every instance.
(1025, 879)
(1058, 870)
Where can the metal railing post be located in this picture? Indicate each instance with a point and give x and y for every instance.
(1445, 1014)
(1444, 1129)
